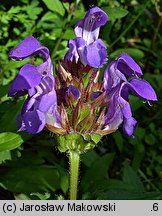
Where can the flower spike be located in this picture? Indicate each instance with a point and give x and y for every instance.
(75, 102)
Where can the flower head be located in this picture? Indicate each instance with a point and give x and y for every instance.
(86, 47)
(75, 102)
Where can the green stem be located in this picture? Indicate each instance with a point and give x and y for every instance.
(74, 171)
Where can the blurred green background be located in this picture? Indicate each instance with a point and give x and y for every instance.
(119, 167)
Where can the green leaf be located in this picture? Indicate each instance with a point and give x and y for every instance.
(44, 196)
(150, 139)
(64, 179)
(31, 179)
(9, 140)
(118, 140)
(5, 155)
(66, 5)
(120, 194)
(133, 52)
(86, 80)
(130, 177)
(14, 10)
(94, 176)
(64, 183)
(135, 102)
(69, 33)
(138, 156)
(9, 111)
(3, 90)
(21, 196)
(89, 158)
(115, 13)
(55, 5)
(49, 17)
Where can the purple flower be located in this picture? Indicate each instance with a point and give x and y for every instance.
(86, 47)
(72, 95)
(116, 83)
(75, 101)
(72, 91)
(36, 81)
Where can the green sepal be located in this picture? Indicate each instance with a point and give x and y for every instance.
(86, 79)
(77, 142)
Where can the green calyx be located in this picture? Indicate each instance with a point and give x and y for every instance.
(77, 142)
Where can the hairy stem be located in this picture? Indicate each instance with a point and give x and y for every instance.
(74, 158)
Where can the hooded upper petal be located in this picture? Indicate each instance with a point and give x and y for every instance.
(27, 78)
(27, 47)
(128, 66)
(89, 27)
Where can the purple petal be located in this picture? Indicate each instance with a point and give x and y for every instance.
(96, 95)
(143, 89)
(116, 120)
(79, 28)
(20, 123)
(128, 66)
(53, 117)
(34, 121)
(129, 126)
(44, 51)
(28, 47)
(25, 106)
(125, 107)
(46, 67)
(27, 78)
(45, 86)
(74, 45)
(47, 101)
(42, 96)
(74, 91)
(113, 109)
(95, 55)
(25, 48)
(98, 16)
(114, 116)
(112, 77)
(88, 28)
(32, 92)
